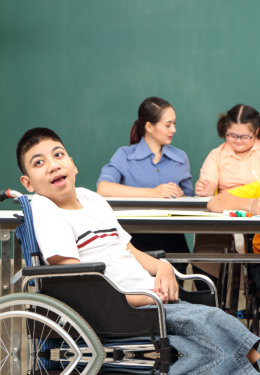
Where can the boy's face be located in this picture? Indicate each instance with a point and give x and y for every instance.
(50, 171)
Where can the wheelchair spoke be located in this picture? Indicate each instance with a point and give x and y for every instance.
(39, 335)
(4, 347)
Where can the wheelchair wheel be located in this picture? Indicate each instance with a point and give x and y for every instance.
(41, 335)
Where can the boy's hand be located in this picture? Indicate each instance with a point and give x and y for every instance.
(168, 191)
(166, 286)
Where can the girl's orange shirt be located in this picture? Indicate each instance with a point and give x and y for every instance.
(227, 170)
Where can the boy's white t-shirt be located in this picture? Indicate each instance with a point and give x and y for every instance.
(90, 234)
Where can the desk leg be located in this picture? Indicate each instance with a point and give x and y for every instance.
(234, 273)
(222, 286)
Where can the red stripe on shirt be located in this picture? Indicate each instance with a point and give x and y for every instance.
(94, 238)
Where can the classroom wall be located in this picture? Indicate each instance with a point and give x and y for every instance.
(82, 67)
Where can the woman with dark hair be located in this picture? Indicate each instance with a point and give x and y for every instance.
(150, 167)
(236, 161)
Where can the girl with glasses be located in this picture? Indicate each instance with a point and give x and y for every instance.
(234, 163)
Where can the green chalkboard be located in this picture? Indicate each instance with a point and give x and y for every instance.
(82, 67)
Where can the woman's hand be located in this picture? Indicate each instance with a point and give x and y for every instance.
(168, 191)
(166, 286)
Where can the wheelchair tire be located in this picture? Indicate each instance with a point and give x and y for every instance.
(41, 335)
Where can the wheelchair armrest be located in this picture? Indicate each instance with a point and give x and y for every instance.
(64, 269)
(200, 277)
(156, 253)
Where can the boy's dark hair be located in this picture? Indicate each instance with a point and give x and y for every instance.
(31, 138)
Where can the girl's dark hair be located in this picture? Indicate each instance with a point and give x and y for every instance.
(150, 110)
(239, 114)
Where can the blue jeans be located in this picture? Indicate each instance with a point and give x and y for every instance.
(211, 342)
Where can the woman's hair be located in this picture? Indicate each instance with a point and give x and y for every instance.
(150, 110)
(239, 114)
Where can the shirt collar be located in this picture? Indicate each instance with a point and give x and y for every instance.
(230, 152)
(142, 151)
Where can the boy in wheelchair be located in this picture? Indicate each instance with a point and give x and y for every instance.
(75, 225)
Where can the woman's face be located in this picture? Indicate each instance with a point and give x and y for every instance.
(246, 140)
(163, 131)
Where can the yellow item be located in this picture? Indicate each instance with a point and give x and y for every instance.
(247, 191)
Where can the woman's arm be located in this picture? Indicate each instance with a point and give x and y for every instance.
(185, 178)
(112, 189)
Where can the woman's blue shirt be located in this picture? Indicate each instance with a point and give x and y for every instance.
(133, 166)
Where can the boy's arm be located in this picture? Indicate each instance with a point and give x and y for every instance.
(228, 201)
(57, 259)
(166, 286)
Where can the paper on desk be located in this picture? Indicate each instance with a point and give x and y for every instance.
(164, 213)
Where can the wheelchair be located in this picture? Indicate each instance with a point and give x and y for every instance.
(74, 319)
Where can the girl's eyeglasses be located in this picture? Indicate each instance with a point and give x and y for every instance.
(235, 137)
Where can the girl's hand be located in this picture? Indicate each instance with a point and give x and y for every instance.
(255, 206)
(203, 188)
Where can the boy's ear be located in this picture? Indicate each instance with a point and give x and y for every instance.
(75, 168)
(25, 181)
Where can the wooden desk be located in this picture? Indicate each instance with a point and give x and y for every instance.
(197, 224)
(190, 224)
(174, 224)
(7, 217)
(213, 258)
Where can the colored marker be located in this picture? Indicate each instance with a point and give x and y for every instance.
(237, 213)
